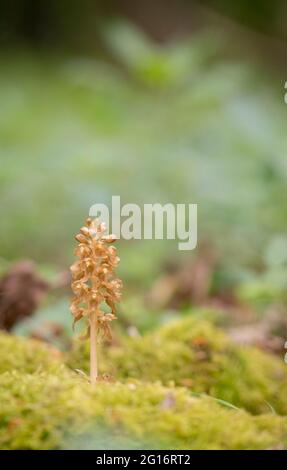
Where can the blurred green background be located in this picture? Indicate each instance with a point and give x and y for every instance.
(157, 102)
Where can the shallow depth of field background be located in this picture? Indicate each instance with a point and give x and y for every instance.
(156, 102)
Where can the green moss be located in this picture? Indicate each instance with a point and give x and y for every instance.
(45, 405)
(43, 411)
(195, 354)
(26, 355)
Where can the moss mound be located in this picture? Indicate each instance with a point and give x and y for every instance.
(45, 405)
(195, 354)
(26, 355)
(43, 411)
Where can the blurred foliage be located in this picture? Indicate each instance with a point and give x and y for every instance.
(270, 286)
(70, 24)
(183, 128)
(262, 15)
(51, 23)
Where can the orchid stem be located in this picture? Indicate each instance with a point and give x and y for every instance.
(93, 349)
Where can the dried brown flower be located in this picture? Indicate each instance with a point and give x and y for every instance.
(94, 283)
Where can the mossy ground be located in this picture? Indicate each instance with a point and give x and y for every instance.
(195, 354)
(47, 405)
(49, 411)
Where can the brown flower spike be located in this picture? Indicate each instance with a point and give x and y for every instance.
(95, 285)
